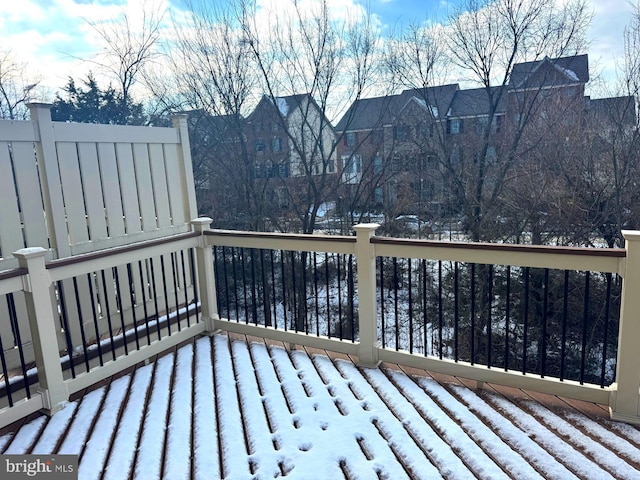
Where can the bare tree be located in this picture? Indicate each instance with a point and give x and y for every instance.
(332, 62)
(17, 87)
(211, 73)
(129, 44)
(486, 42)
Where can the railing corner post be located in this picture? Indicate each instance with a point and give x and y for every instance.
(367, 308)
(206, 276)
(624, 404)
(43, 333)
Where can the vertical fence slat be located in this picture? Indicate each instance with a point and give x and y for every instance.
(92, 188)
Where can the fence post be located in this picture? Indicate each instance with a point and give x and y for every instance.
(42, 324)
(179, 121)
(625, 401)
(367, 307)
(206, 276)
(49, 172)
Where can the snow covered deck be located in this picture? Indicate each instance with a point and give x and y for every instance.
(266, 411)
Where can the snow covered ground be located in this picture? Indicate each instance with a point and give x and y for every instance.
(265, 412)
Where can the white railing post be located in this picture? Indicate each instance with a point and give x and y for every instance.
(625, 400)
(206, 276)
(49, 172)
(367, 307)
(179, 122)
(43, 333)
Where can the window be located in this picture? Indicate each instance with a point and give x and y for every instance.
(319, 164)
(481, 125)
(276, 144)
(259, 145)
(275, 127)
(455, 154)
(454, 126)
(492, 155)
(352, 170)
(269, 171)
(350, 139)
(377, 165)
(257, 170)
(482, 122)
(400, 132)
(378, 195)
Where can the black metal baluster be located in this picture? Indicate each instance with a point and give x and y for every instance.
(194, 282)
(396, 287)
(265, 291)
(81, 321)
(382, 303)
(186, 290)
(339, 299)
(303, 257)
(326, 279)
(440, 317)
(294, 292)
(543, 340)
(605, 333)
(525, 333)
(284, 288)
(114, 271)
(351, 297)
(507, 317)
(315, 292)
(489, 316)
(456, 310)
(133, 306)
(472, 337)
(144, 302)
(409, 285)
(5, 370)
(234, 268)
(254, 293)
(174, 262)
(15, 326)
(94, 312)
(155, 297)
(222, 280)
(165, 291)
(585, 322)
(424, 306)
(565, 318)
(273, 291)
(244, 287)
(65, 326)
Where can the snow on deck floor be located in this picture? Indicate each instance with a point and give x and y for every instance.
(265, 412)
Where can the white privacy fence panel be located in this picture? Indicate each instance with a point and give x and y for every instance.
(78, 188)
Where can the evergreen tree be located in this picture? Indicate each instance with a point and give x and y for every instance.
(88, 103)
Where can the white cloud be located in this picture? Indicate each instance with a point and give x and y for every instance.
(50, 35)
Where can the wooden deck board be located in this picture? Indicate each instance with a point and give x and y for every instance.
(171, 431)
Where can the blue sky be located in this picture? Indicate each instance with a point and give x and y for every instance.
(51, 35)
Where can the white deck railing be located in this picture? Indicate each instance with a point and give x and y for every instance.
(36, 277)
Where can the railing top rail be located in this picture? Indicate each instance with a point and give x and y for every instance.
(110, 252)
(607, 260)
(276, 235)
(14, 272)
(505, 247)
(283, 241)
